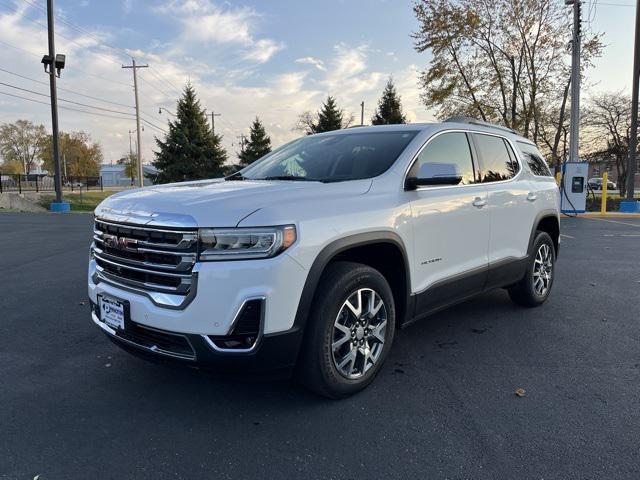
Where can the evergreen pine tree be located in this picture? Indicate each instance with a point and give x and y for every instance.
(389, 109)
(258, 146)
(330, 117)
(190, 151)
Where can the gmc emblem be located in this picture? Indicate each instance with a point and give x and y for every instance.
(121, 243)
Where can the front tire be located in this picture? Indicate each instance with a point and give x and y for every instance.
(534, 288)
(349, 331)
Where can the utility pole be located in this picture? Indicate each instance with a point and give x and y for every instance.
(130, 156)
(362, 113)
(135, 68)
(243, 139)
(633, 140)
(213, 121)
(575, 80)
(52, 61)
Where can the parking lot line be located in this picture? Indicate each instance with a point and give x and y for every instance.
(613, 221)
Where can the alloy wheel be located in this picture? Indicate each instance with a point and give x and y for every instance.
(543, 270)
(359, 333)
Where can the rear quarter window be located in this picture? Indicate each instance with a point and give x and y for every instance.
(534, 159)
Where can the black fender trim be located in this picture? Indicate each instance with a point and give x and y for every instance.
(336, 247)
(541, 216)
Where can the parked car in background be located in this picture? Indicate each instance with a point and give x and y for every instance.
(309, 259)
(596, 184)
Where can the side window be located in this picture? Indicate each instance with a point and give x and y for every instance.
(448, 152)
(535, 160)
(498, 161)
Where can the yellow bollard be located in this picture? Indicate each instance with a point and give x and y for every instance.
(558, 178)
(605, 180)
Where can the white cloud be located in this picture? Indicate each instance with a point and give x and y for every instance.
(289, 83)
(316, 62)
(231, 80)
(262, 50)
(219, 26)
(204, 22)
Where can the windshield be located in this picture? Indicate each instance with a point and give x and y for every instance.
(332, 158)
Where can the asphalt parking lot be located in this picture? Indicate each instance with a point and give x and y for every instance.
(73, 406)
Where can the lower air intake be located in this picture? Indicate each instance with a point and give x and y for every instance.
(246, 329)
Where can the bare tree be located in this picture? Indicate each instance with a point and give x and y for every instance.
(608, 121)
(504, 61)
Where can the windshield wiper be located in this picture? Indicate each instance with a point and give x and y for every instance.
(235, 176)
(290, 177)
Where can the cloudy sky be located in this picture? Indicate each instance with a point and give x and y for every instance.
(275, 59)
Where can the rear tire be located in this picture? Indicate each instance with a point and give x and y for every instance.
(534, 288)
(349, 330)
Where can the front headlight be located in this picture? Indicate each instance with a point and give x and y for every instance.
(244, 243)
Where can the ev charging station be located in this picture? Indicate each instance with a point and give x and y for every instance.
(573, 189)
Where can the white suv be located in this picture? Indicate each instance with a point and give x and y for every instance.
(308, 260)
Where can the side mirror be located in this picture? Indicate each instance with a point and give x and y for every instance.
(434, 174)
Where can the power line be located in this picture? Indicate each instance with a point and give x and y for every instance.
(63, 107)
(67, 90)
(79, 28)
(38, 55)
(64, 100)
(156, 88)
(160, 77)
(59, 34)
(153, 125)
(123, 51)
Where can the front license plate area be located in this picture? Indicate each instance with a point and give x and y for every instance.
(114, 312)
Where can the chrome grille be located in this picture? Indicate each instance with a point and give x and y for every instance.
(148, 258)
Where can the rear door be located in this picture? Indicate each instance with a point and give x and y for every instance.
(511, 202)
(450, 225)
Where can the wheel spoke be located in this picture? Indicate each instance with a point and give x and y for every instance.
(349, 359)
(357, 311)
(376, 308)
(376, 332)
(365, 356)
(344, 329)
(338, 343)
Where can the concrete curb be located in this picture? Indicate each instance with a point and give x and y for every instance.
(609, 215)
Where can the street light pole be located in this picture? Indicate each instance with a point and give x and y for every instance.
(54, 103)
(633, 139)
(362, 113)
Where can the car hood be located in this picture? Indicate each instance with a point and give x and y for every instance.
(216, 203)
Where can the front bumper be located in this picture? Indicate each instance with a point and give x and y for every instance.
(275, 354)
(184, 334)
(222, 288)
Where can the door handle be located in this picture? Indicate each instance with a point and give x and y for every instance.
(479, 202)
(532, 197)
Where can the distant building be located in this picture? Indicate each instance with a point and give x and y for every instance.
(115, 175)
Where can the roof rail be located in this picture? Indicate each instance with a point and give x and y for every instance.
(475, 121)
